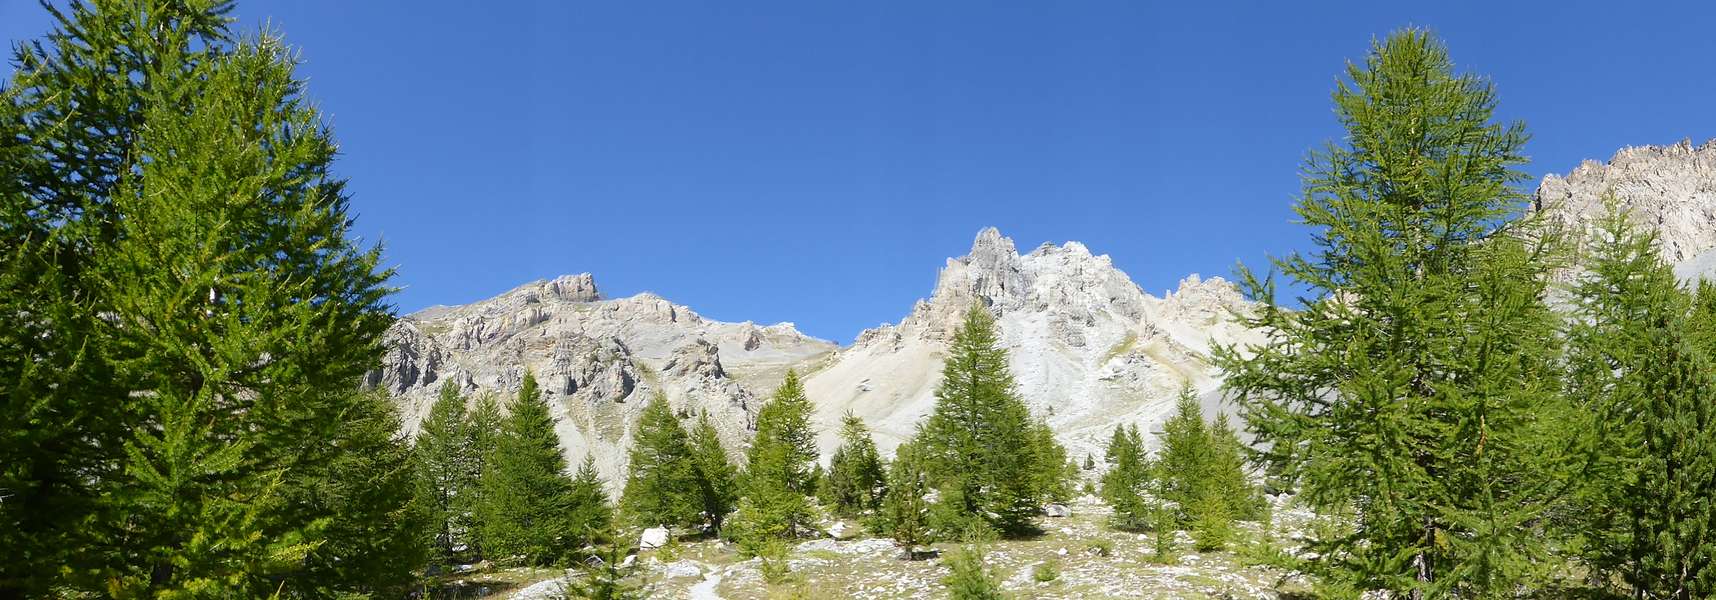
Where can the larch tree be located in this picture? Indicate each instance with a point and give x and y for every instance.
(661, 477)
(777, 479)
(717, 479)
(447, 466)
(1415, 384)
(857, 479)
(527, 492)
(233, 319)
(977, 443)
(1649, 390)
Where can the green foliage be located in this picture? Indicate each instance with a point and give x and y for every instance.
(777, 477)
(772, 561)
(1186, 454)
(1102, 547)
(1162, 522)
(1649, 391)
(969, 578)
(1046, 571)
(905, 510)
(661, 482)
(1127, 478)
(527, 495)
(977, 444)
(448, 469)
(183, 322)
(717, 480)
(1052, 472)
(1212, 523)
(1416, 385)
(604, 575)
(589, 508)
(857, 479)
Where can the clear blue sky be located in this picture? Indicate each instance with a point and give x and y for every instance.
(816, 161)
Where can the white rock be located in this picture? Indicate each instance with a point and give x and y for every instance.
(841, 531)
(683, 568)
(654, 537)
(1057, 510)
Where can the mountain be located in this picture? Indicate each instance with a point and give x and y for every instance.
(1088, 347)
(1671, 188)
(597, 360)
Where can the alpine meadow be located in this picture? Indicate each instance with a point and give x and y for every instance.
(1428, 380)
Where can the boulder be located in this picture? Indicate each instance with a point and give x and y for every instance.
(1057, 510)
(654, 537)
(841, 531)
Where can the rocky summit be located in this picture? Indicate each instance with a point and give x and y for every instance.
(1088, 347)
(1670, 188)
(597, 360)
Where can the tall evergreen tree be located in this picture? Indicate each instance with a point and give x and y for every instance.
(1051, 470)
(977, 442)
(527, 493)
(1186, 455)
(373, 542)
(717, 480)
(1127, 479)
(591, 512)
(1651, 394)
(661, 480)
(857, 479)
(778, 470)
(1415, 386)
(482, 435)
(227, 315)
(448, 471)
(906, 508)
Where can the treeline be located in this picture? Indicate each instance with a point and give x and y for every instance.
(1470, 426)
(979, 467)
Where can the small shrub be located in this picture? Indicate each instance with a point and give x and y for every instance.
(1089, 489)
(1100, 547)
(1047, 571)
(772, 555)
(970, 579)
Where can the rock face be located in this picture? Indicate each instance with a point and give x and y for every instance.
(597, 361)
(1671, 188)
(1088, 347)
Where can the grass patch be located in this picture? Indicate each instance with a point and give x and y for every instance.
(828, 555)
(1046, 571)
(1123, 347)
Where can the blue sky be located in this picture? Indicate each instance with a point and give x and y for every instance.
(816, 161)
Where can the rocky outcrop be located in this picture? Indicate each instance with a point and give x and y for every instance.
(595, 359)
(1088, 347)
(1670, 188)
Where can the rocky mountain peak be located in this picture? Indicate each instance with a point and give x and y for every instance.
(1087, 346)
(1671, 188)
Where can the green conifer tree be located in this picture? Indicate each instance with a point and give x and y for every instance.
(778, 470)
(717, 480)
(590, 510)
(661, 481)
(1054, 480)
(1186, 455)
(448, 469)
(527, 493)
(1416, 385)
(977, 442)
(1650, 391)
(969, 578)
(237, 318)
(1127, 478)
(857, 479)
(905, 508)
